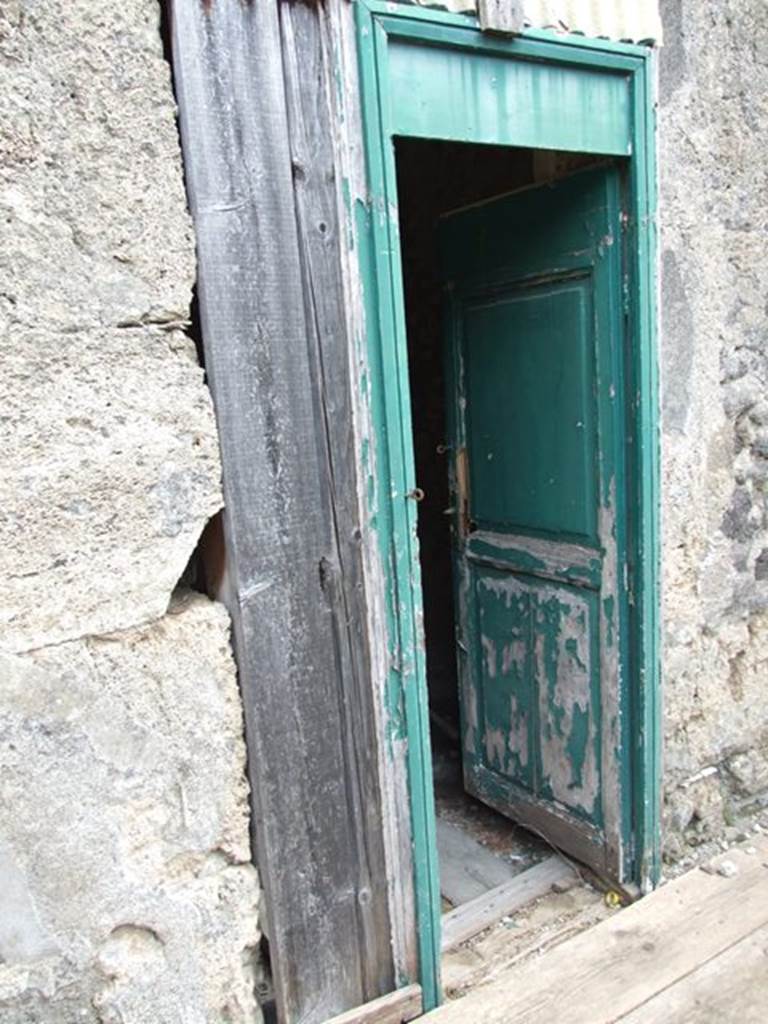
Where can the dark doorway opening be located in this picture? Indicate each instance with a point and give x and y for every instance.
(478, 848)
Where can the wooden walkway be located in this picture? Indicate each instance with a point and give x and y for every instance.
(693, 952)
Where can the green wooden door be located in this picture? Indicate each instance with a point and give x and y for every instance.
(534, 317)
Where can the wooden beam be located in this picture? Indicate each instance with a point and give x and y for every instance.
(252, 82)
(483, 911)
(396, 1008)
(308, 76)
(731, 987)
(341, 41)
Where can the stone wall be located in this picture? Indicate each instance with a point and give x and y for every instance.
(714, 213)
(126, 889)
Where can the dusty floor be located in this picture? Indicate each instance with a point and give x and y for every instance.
(530, 932)
(693, 952)
(515, 845)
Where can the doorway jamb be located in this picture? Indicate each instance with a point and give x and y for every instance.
(391, 507)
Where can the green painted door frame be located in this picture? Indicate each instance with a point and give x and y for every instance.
(430, 74)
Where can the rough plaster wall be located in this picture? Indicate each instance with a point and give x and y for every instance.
(110, 461)
(714, 211)
(123, 826)
(126, 890)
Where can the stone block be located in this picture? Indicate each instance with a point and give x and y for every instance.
(713, 132)
(110, 463)
(126, 889)
(110, 471)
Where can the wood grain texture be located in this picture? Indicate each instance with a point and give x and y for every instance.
(537, 928)
(341, 43)
(730, 989)
(252, 82)
(620, 964)
(468, 869)
(395, 1008)
(503, 16)
(308, 70)
(480, 913)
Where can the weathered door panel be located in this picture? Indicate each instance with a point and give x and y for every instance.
(533, 285)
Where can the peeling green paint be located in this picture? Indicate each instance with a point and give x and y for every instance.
(576, 745)
(378, 24)
(543, 442)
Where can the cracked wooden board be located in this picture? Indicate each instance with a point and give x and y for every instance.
(731, 989)
(620, 965)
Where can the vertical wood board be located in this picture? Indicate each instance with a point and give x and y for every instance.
(252, 83)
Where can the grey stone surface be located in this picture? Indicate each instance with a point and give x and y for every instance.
(127, 895)
(714, 233)
(110, 457)
(94, 229)
(126, 889)
(110, 471)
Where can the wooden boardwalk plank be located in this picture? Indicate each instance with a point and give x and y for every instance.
(483, 911)
(730, 989)
(609, 971)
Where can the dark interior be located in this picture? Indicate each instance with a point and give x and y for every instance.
(435, 177)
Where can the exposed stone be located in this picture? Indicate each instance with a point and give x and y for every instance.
(110, 473)
(727, 869)
(714, 229)
(761, 565)
(739, 520)
(110, 457)
(749, 771)
(126, 889)
(124, 829)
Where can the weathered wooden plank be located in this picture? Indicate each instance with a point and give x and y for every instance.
(621, 963)
(502, 16)
(730, 989)
(468, 869)
(395, 1008)
(276, 356)
(538, 928)
(308, 75)
(480, 913)
(352, 184)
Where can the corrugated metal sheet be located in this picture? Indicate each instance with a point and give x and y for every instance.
(638, 20)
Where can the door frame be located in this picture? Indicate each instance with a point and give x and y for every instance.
(390, 500)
